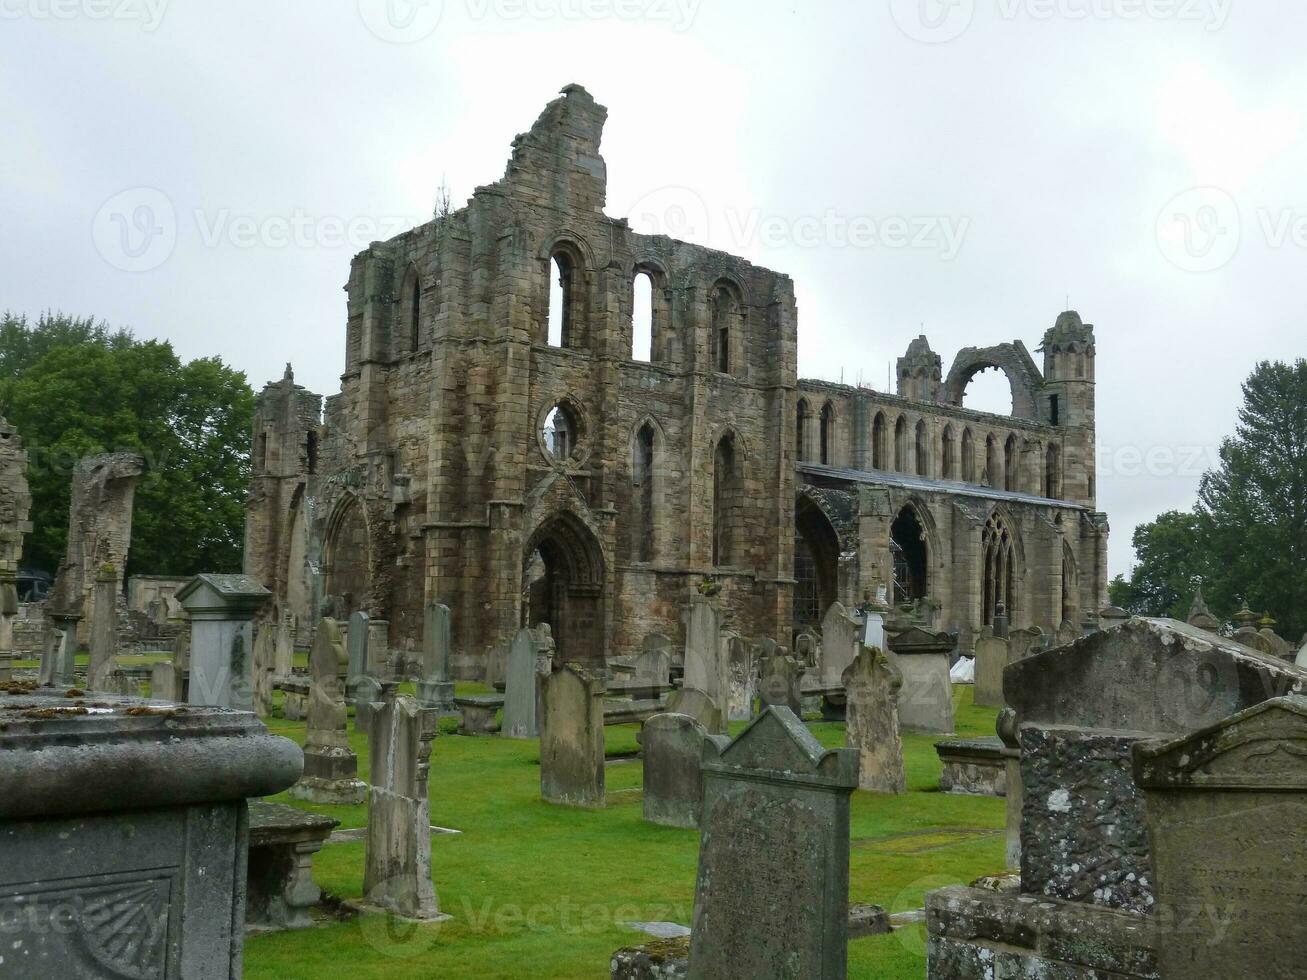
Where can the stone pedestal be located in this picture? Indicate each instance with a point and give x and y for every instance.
(222, 610)
(280, 890)
(330, 765)
(124, 836)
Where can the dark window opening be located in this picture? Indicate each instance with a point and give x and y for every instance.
(911, 558)
(560, 301)
(1054, 410)
(827, 434)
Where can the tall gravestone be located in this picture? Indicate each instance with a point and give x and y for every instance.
(104, 629)
(926, 697)
(572, 737)
(1227, 820)
(672, 747)
(871, 685)
(380, 664)
(520, 698)
(705, 665)
(840, 642)
(397, 864)
(330, 765)
(992, 654)
(742, 670)
(222, 610)
(357, 641)
(435, 689)
(284, 658)
(771, 898)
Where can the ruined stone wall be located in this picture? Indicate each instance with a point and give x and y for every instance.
(15, 505)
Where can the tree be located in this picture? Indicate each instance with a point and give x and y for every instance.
(1171, 564)
(1252, 509)
(72, 388)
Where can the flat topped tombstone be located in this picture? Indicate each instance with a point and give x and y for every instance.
(705, 660)
(871, 686)
(1227, 819)
(572, 737)
(700, 707)
(926, 698)
(520, 701)
(356, 640)
(397, 866)
(280, 889)
(771, 899)
(992, 656)
(435, 689)
(130, 821)
(1081, 709)
(222, 610)
(672, 746)
(841, 639)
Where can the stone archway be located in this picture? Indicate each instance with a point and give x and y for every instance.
(816, 563)
(348, 560)
(562, 585)
(1013, 360)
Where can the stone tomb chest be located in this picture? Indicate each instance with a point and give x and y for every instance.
(123, 834)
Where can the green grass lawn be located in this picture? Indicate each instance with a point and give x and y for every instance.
(538, 891)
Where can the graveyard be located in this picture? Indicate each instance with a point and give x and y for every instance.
(697, 547)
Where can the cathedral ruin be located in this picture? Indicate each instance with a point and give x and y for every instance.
(519, 464)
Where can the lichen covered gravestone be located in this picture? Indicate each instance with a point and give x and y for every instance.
(572, 737)
(871, 686)
(435, 689)
(397, 875)
(841, 639)
(672, 747)
(771, 898)
(123, 834)
(1227, 818)
(330, 765)
(742, 672)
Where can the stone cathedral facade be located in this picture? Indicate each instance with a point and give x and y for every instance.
(497, 446)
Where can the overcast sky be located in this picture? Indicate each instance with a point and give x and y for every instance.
(203, 172)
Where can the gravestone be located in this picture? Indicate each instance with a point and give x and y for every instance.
(435, 689)
(166, 682)
(871, 686)
(807, 647)
(330, 765)
(285, 654)
(124, 836)
(367, 692)
(497, 665)
(357, 640)
(222, 610)
(705, 663)
(264, 654)
(572, 737)
(58, 659)
(380, 665)
(780, 684)
(771, 898)
(520, 697)
(397, 862)
(700, 707)
(1023, 642)
(992, 654)
(1227, 821)
(841, 639)
(672, 746)
(743, 677)
(104, 628)
(1087, 865)
(926, 697)
(1066, 634)
(653, 668)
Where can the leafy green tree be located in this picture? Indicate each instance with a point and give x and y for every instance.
(73, 388)
(1252, 509)
(1171, 564)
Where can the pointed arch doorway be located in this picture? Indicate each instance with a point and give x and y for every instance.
(562, 585)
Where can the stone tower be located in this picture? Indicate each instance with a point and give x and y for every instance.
(1068, 397)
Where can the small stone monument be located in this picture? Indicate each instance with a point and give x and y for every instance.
(742, 668)
(435, 689)
(780, 685)
(572, 737)
(992, 655)
(1227, 819)
(705, 663)
(520, 699)
(222, 610)
(926, 698)
(397, 868)
(672, 746)
(356, 641)
(285, 653)
(841, 640)
(871, 685)
(330, 765)
(497, 665)
(771, 898)
(653, 667)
